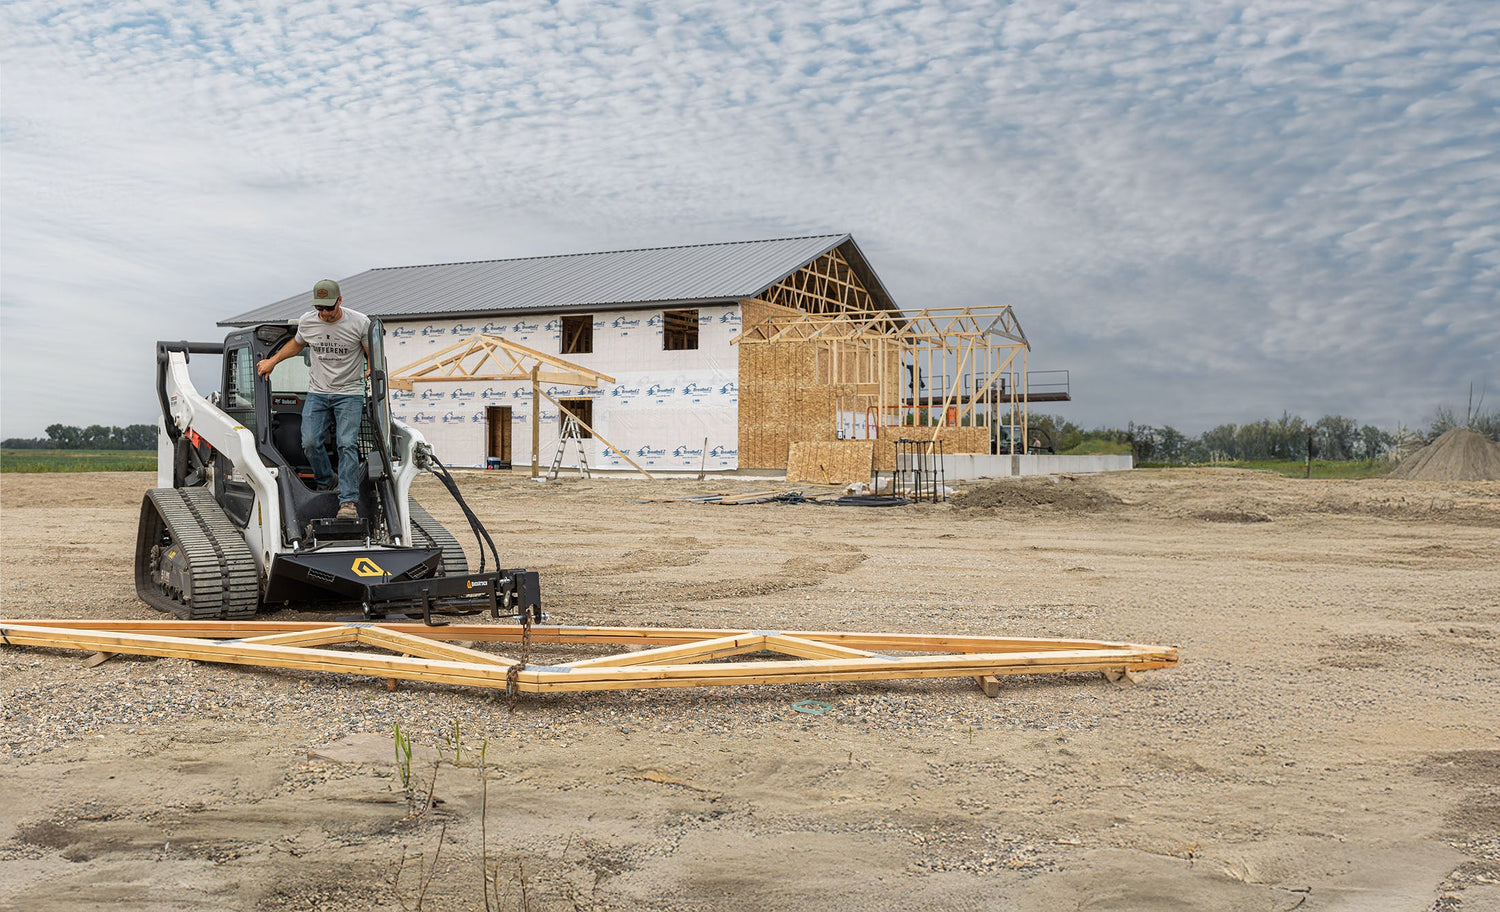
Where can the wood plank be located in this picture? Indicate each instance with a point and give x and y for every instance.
(702, 650)
(320, 636)
(812, 649)
(427, 648)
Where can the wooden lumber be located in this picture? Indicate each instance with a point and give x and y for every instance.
(412, 645)
(675, 657)
(714, 648)
(562, 635)
(318, 636)
(505, 359)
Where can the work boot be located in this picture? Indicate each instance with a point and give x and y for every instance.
(347, 510)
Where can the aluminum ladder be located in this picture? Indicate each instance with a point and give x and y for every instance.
(570, 431)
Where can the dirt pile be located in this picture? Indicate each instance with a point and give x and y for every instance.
(1458, 455)
(1047, 492)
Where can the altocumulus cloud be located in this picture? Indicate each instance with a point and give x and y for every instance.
(1208, 212)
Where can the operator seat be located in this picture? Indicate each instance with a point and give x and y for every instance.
(286, 436)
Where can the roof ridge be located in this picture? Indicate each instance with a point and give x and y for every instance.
(559, 256)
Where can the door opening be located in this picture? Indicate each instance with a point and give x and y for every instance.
(497, 417)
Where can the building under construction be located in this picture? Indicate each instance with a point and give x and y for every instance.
(708, 357)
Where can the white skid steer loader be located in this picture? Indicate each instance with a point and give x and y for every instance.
(236, 524)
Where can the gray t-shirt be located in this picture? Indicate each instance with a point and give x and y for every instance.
(337, 351)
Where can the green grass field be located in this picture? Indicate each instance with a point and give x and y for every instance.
(77, 460)
(1294, 468)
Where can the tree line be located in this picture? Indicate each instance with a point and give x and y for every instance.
(1332, 437)
(93, 437)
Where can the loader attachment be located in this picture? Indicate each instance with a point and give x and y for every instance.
(401, 581)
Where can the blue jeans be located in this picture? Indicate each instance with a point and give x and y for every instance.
(345, 412)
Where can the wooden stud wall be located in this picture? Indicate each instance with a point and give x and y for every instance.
(800, 370)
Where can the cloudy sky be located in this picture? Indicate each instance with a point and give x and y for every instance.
(1206, 211)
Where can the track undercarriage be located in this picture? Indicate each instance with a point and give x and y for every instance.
(194, 563)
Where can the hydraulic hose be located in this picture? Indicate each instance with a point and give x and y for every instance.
(436, 467)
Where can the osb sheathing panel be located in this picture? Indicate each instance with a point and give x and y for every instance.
(830, 462)
(954, 439)
(773, 378)
(791, 392)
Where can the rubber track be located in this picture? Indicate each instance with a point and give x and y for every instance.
(429, 533)
(225, 579)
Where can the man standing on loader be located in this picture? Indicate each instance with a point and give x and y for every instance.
(336, 336)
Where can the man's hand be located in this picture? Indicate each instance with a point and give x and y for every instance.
(264, 367)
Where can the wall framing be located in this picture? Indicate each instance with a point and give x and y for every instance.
(820, 375)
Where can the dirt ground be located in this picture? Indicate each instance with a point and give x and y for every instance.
(1328, 742)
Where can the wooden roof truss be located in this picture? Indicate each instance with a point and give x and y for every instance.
(486, 356)
(653, 657)
(826, 285)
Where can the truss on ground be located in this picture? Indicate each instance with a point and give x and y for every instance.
(656, 657)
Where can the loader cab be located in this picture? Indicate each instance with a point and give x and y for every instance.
(271, 408)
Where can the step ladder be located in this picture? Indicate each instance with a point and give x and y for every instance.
(570, 431)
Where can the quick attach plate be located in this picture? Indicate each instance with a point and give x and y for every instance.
(333, 529)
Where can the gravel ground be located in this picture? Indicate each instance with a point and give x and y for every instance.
(1328, 741)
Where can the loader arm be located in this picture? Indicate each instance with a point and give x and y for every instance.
(185, 410)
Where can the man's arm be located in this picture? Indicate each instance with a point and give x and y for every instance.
(289, 350)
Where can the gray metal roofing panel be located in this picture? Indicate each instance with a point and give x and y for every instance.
(622, 278)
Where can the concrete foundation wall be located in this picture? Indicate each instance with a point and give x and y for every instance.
(966, 466)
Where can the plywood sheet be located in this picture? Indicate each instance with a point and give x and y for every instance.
(830, 462)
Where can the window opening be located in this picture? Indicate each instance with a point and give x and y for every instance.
(679, 330)
(583, 409)
(578, 334)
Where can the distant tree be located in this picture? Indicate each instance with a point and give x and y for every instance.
(93, 437)
(1288, 437)
(1063, 434)
(1219, 443)
(1142, 440)
(1336, 436)
(139, 437)
(1254, 440)
(1171, 444)
(1374, 443)
(63, 436)
(1445, 419)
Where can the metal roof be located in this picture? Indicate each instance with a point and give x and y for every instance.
(702, 273)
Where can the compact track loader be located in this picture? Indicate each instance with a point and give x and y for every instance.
(237, 525)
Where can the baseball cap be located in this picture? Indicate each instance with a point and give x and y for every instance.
(326, 293)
